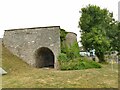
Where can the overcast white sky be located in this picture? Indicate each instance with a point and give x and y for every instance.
(40, 13)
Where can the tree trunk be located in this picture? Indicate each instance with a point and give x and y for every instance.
(100, 56)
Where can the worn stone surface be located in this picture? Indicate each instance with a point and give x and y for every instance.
(25, 42)
(70, 38)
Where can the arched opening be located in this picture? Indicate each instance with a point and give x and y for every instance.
(44, 57)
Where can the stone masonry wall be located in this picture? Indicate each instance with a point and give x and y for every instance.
(25, 42)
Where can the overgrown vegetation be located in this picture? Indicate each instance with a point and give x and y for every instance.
(62, 57)
(69, 58)
(71, 51)
(78, 64)
(68, 52)
(63, 34)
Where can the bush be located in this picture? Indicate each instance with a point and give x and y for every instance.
(72, 52)
(78, 64)
(62, 57)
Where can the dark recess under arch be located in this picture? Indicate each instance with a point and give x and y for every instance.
(44, 57)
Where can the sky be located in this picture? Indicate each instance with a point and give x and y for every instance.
(40, 13)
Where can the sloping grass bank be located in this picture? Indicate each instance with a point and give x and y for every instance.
(21, 75)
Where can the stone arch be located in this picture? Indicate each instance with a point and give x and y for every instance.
(44, 57)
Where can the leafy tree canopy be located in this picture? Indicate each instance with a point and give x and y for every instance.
(114, 35)
(95, 23)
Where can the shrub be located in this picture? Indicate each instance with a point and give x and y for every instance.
(62, 57)
(78, 64)
(73, 51)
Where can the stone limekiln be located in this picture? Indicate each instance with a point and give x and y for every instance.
(39, 46)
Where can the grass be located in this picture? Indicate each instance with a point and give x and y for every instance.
(21, 75)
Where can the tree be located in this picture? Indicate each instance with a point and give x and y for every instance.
(94, 24)
(118, 38)
(114, 35)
